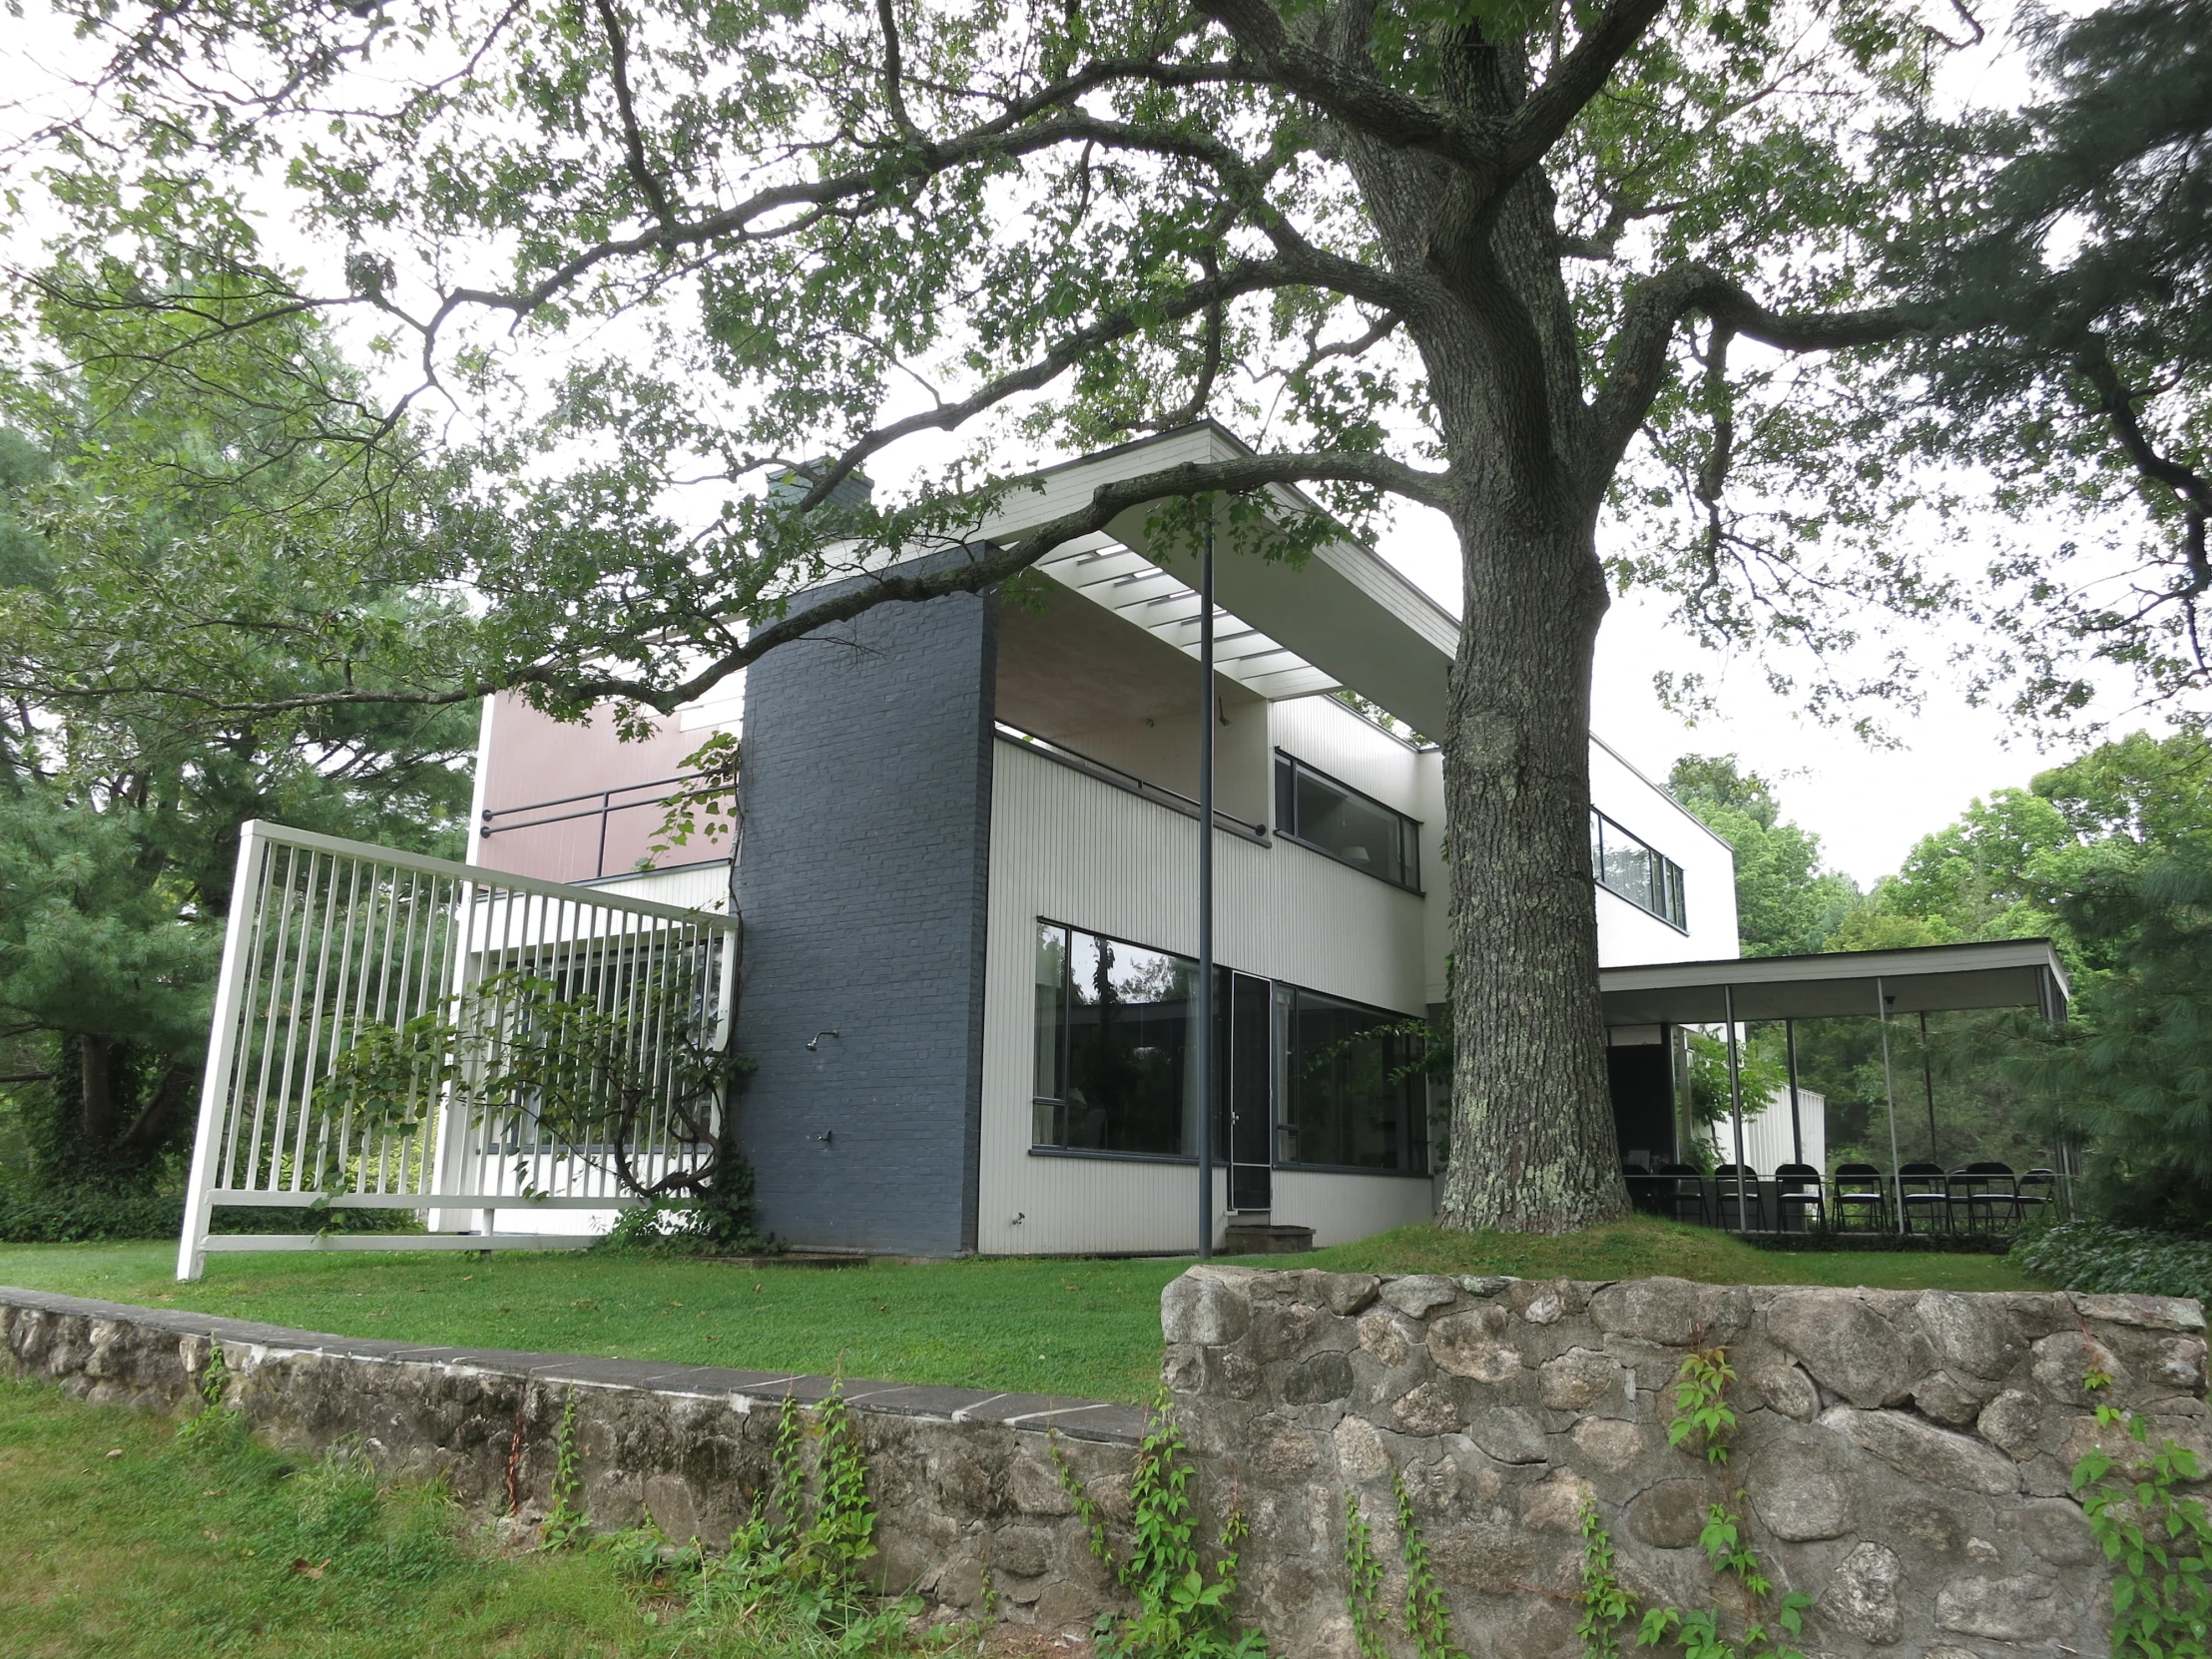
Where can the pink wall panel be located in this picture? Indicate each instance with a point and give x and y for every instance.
(532, 759)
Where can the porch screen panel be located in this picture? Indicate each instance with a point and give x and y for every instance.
(395, 1032)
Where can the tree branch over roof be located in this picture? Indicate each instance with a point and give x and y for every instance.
(1637, 366)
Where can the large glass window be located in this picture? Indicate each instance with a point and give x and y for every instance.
(1117, 1048)
(1354, 828)
(1351, 1093)
(1647, 878)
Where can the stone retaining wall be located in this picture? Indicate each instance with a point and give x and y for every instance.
(962, 1479)
(1903, 1457)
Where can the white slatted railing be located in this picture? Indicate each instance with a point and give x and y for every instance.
(379, 1041)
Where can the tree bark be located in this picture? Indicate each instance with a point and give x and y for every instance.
(1533, 1146)
(95, 1104)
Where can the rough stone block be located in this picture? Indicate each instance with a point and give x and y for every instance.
(1414, 1295)
(1206, 1308)
(1922, 1451)
(1863, 1596)
(1469, 1345)
(1577, 1378)
(1849, 1349)
(1798, 1491)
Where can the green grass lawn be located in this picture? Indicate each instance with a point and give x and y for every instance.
(121, 1540)
(125, 1538)
(1089, 1328)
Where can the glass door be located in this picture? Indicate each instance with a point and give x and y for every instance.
(1246, 1056)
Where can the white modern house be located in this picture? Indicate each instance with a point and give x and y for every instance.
(960, 934)
(969, 905)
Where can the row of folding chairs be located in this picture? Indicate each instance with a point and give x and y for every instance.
(1979, 1197)
(1983, 1196)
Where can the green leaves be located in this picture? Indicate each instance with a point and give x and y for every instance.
(2159, 1537)
(1703, 1417)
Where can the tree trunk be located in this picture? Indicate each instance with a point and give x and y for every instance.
(96, 1108)
(1533, 1142)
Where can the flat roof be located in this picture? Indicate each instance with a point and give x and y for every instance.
(1344, 617)
(1997, 973)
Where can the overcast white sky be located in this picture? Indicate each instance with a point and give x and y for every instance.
(1868, 806)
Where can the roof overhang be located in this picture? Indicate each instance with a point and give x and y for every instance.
(1342, 616)
(2002, 973)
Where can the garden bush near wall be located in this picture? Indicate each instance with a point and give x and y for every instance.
(2083, 1256)
(88, 1216)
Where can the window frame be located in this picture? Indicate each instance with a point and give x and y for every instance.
(1417, 1087)
(1409, 827)
(1673, 887)
(1060, 1149)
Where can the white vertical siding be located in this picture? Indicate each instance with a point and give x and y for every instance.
(1767, 1139)
(702, 887)
(1627, 935)
(1079, 851)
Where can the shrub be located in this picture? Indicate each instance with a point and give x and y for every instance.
(85, 1215)
(2087, 1256)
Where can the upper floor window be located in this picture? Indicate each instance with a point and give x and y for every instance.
(1317, 812)
(1647, 878)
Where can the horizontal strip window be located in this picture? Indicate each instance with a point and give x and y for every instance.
(1634, 871)
(1316, 810)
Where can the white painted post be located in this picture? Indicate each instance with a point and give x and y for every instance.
(214, 1079)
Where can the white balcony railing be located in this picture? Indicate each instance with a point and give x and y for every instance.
(397, 1032)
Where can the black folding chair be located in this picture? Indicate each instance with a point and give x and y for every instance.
(1799, 1190)
(1643, 1196)
(1861, 1191)
(1987, 1191)
(1680, 1188)
(1742, 1198)
(2035, 1194)
(1923, 1189)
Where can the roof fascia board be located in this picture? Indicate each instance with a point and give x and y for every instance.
(1911, 962)
(1663, 793)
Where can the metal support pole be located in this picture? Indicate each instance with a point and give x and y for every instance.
(1206, 892)
(1796, 1123)
(1927, 1082)
(1735, 1101)
(1890, 1097)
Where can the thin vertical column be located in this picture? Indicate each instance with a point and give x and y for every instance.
(1890, 1096)
(1927, 1082)
(1205, 991)
(1796, 1122)
(1734, 1100)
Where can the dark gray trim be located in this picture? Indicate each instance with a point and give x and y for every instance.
(1188, 1160)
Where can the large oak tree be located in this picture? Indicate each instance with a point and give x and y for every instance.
(1507, 259)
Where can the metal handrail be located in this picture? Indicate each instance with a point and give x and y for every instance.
(1128, 780)
(606, 809)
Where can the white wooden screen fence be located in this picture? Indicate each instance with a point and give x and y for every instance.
(335, 944)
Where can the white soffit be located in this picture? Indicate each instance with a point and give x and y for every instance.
(1139, 591)
(1342, 618)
